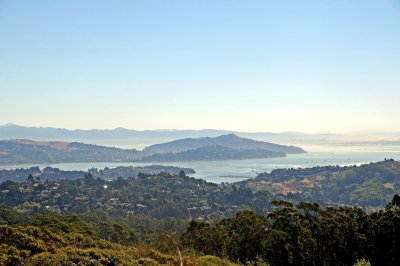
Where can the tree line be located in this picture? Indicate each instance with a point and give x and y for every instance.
(303, 234)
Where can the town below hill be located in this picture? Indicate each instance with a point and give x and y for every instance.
(162, 192)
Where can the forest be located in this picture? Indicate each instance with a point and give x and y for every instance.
(47, 239)
(151, 218)
(302, 234)
(369, 185)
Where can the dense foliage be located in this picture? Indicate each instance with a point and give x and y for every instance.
(97, 221)
(165, 197)
(305, 234)
(49, 239)
(368, 185)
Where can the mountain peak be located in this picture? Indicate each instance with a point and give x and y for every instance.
(229, 140)
(229, 136)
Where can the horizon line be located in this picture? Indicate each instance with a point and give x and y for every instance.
(371, 132)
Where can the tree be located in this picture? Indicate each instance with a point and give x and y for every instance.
(30, 178)
(182, 174)
(362, 262)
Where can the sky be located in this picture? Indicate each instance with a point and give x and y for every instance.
(310, 66)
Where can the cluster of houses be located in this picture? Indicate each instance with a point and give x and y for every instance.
(62, 198)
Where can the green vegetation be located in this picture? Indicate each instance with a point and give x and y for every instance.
(28, 151)
(49, 239)
(149, 200)
(173, 198)
(302, 234)
(369, 185)
(211, 153)
(305, 234)
(152, 218)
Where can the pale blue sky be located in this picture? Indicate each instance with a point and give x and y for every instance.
(311, 66)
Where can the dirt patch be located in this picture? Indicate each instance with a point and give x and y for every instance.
(286, 187)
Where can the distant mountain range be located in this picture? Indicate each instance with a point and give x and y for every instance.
(138, 139)
(121, 137)
(230, 146)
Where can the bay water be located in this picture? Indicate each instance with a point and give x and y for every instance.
(236, 170)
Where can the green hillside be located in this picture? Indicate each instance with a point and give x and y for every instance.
(211, 153)
(28, 151)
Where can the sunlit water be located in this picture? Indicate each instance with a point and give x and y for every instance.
(236, 170)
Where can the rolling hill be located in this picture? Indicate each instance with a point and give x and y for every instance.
(211, 153)
(230, 141)
(22, 151)
(225, 147)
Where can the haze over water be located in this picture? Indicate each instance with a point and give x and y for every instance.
(258, 66)
(236, 170)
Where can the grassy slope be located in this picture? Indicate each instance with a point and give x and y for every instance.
(38, 245)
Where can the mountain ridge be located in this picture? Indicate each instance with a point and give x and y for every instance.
(211, 153)
(24, 151)
(21, 151)
(229, 140)
(146, 137)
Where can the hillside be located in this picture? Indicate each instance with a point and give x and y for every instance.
(370, 184)
(48, 239)
(211, 153)
(144, 221)
(21, 151)
(165, 195)
(230, 141)
(306, 233)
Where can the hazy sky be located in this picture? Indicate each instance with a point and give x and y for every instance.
(311, 66)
